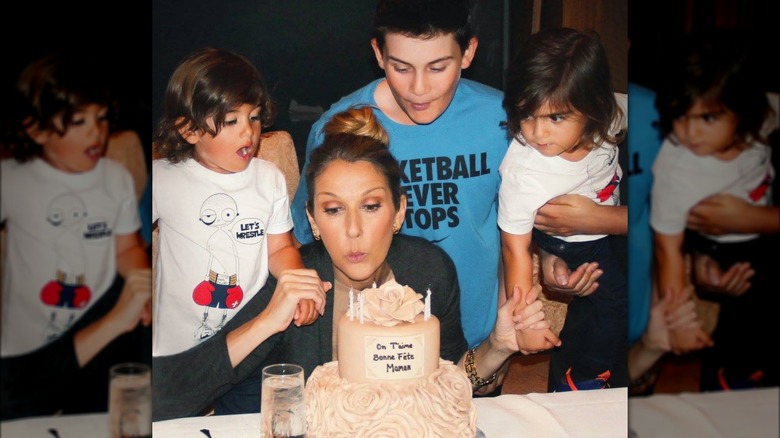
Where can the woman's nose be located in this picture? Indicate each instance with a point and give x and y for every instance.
(354, 227)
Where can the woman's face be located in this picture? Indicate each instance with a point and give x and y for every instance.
(354, 213)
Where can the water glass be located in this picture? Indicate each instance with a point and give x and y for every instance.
(281, 407)
(130, 401)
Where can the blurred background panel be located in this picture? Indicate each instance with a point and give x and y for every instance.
(120, 36)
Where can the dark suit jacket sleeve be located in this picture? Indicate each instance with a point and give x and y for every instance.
(186, 384)
(37, 383)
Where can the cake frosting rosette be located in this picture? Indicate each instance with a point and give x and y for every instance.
(391, 304)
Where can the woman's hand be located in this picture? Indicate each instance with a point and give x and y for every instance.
(656, 335)
(535, 337)
(684, 332)
(557, 277)
(293, 286)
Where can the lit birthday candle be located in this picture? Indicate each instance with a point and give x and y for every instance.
(362, 301)
(351, 305)
(428, 304)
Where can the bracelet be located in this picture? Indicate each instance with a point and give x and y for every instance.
(471, 370)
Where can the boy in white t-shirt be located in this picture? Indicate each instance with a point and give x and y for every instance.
(712, 106)
(561, 122)
(76, 281)
(223, 215)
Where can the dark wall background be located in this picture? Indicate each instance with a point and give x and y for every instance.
(312, 52)
(654, 27)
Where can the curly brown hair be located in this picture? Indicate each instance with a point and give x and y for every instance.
(208, 84)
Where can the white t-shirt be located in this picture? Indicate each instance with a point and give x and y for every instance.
(212, 228)
(530, 179)
(682, 179)
(61, 235)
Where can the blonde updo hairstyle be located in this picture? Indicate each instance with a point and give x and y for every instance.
(355, 135)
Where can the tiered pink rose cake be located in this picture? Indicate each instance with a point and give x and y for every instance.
(389, 379)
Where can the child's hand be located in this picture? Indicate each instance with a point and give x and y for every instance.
(686, 340)
(530, 341)
(134, 302)
(557, 277)
(709, 277)
(306, 313)
(535, 337)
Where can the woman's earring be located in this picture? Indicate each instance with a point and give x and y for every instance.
(396, 228)
(316, 233)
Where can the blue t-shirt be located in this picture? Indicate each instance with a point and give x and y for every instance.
(644, 142)
(451, 182)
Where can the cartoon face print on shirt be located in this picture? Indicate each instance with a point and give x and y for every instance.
(67, 289)
(220, 288)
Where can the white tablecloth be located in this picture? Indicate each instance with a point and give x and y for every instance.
(67, 426)
(600, 414)
(743, 414)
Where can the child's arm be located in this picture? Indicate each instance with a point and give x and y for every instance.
(130, 254)
(283, 255)
(518, 280)
(132, 261)
(134, 304)
(670, 262)
(518, 264)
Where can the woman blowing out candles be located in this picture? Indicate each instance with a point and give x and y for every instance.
(355, 207)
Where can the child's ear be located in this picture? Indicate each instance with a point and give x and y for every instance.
(37, 134)
(189, 134)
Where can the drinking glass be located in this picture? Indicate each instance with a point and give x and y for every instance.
(130, 401)
(281, 407)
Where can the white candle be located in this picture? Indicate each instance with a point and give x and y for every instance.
(362, 301)
(351, 305)
(428, 304)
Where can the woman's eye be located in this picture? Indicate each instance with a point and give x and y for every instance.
(230, 122)
(331, 210)
(372, 207)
